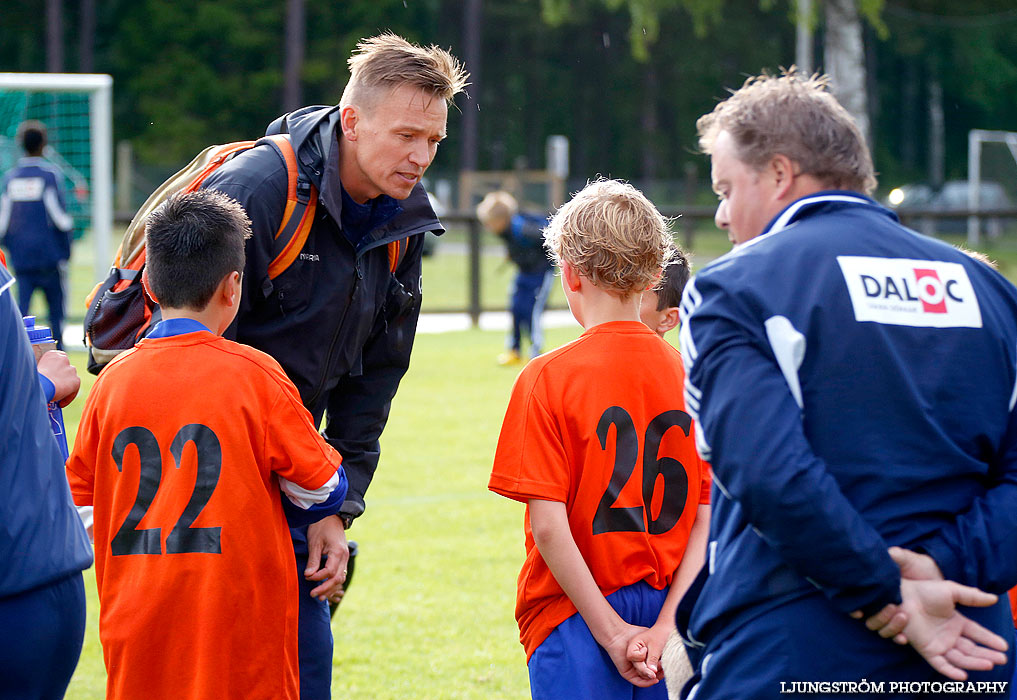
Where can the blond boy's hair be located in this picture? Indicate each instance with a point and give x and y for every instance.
(497, 206)
(388, 61)
(611, 234)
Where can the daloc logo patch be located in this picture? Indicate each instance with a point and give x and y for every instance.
(905, 292)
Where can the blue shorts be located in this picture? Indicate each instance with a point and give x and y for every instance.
(570, 665)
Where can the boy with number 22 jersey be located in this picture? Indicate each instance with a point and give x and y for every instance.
(183, 447)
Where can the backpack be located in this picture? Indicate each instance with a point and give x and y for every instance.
(120, 313)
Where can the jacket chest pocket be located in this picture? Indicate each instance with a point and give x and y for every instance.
(296, 289)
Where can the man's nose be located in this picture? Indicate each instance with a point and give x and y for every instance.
(420, 154)
(721, 218)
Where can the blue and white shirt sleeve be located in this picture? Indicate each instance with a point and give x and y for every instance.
(304, 506)
(5, 207)
(54, 200)
(742, 389)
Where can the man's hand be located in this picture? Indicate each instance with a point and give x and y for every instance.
(55, 366)
(915, 566)
(328, 537)
(891, 620)
(948, 640)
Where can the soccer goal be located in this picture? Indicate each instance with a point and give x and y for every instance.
(77, 112)
(992, 175)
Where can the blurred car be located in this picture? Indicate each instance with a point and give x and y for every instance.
(953, 197)
(909, 197)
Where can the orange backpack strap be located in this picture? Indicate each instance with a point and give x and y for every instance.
(298, 216)
(396, 251)
(218, 158)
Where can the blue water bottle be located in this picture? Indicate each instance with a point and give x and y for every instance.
(42, 342)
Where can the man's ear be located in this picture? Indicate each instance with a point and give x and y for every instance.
(349, 116)
(783, 171)
(668, 321)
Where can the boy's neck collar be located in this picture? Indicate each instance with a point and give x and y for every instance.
(178, 325)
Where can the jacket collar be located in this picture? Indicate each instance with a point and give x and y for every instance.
(815, 203)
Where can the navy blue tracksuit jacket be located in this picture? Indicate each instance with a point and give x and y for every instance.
(854, 386)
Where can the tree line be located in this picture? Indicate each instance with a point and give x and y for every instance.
(624, 80)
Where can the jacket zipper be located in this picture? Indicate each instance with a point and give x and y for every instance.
(338, 332)
(342, 321)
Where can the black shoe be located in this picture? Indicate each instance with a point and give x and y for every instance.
(350, 564)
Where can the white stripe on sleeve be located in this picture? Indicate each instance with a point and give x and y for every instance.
(61, 219)
(5, 213)
(788, 345)
(304, 498)
(1013, 396)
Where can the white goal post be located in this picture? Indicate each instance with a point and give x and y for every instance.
(99, 88)
(976, 137)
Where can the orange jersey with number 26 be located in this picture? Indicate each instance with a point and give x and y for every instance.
(600, 425)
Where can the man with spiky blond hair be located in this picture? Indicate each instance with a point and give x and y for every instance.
(342, 317)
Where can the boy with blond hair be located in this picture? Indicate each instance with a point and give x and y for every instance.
(184, 445)
(597, 442)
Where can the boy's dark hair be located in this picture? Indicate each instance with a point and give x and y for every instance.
(672, 282)
(194, 239)
(32, 135)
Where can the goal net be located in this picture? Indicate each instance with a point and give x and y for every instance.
(76, 109)
(992, 181)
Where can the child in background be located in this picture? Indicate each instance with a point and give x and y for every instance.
(523, 235)
(183, 447)
(658, 308)
(596, 441)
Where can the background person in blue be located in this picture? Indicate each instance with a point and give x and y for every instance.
(35, 226)
(43, 545)
(523, 234)
(854, 386)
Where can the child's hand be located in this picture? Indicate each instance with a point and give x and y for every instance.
(629, 654)
(645, 649)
